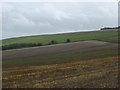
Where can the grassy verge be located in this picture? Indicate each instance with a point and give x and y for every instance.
(62, 57)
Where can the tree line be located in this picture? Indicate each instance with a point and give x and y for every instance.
(110, 28)
(22, 45)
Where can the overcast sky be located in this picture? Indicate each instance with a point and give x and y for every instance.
(23, 19)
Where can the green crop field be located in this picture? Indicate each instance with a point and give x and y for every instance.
(109, 36)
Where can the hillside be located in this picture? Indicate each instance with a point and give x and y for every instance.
(40, 40)
(94, 71)
(90, 60)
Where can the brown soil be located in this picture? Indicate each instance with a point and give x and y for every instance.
(58, 49)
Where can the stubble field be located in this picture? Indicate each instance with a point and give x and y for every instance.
(94, 72)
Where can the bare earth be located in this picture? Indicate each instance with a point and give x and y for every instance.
(58, 49)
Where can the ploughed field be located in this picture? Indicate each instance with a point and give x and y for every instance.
(58, 49)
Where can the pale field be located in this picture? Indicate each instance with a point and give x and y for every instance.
(99, 72)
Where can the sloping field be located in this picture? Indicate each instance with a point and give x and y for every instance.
(99, 72)
(105, 35)
(84, 64)
(58, 49)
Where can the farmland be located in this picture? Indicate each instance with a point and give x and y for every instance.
(59, 49)
(76, 72)
(106, 35)
(89, 61)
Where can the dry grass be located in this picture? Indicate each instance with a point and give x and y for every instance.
(93, 73)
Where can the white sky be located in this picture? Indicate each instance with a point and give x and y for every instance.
(21, 19)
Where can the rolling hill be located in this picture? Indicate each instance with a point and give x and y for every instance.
(41, 40)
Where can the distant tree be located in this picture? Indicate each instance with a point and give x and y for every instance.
(68, 40)
(52, 42)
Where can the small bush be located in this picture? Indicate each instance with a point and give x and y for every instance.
(53, 42)
(68, 40)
